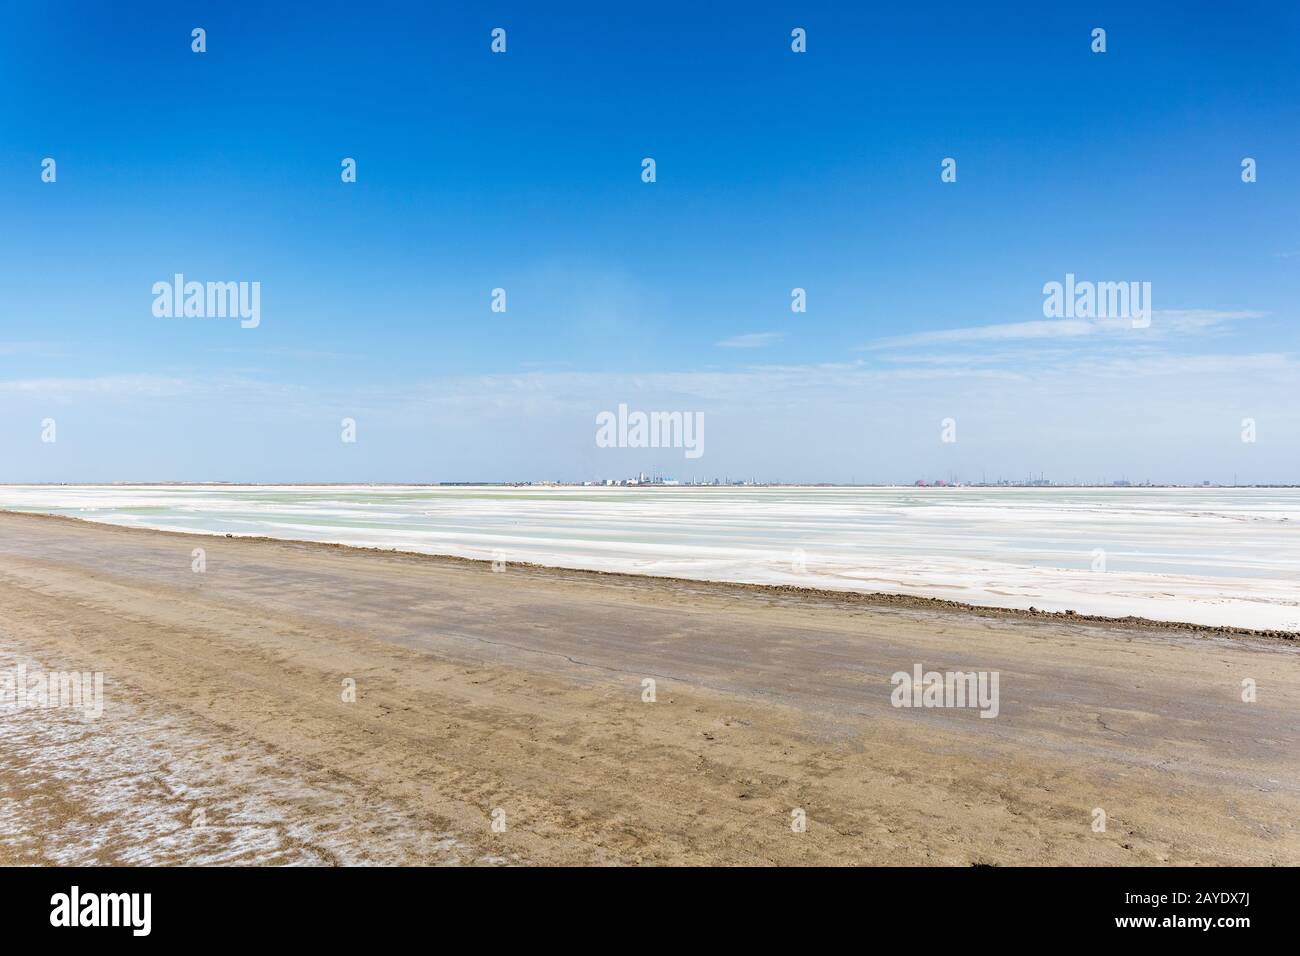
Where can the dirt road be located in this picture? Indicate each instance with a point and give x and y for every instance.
(499, 717)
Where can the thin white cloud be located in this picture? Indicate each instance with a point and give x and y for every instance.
(1041, 329)
(284, 353)
(1083, 413)
(754, 340)
(126, 385)
(1163, 322)
(43, 349)
(1196, 320)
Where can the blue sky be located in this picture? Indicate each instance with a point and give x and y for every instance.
(522, 171)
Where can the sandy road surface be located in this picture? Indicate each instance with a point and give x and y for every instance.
(225, 737)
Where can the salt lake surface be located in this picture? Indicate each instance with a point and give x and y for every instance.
(1219, 556)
